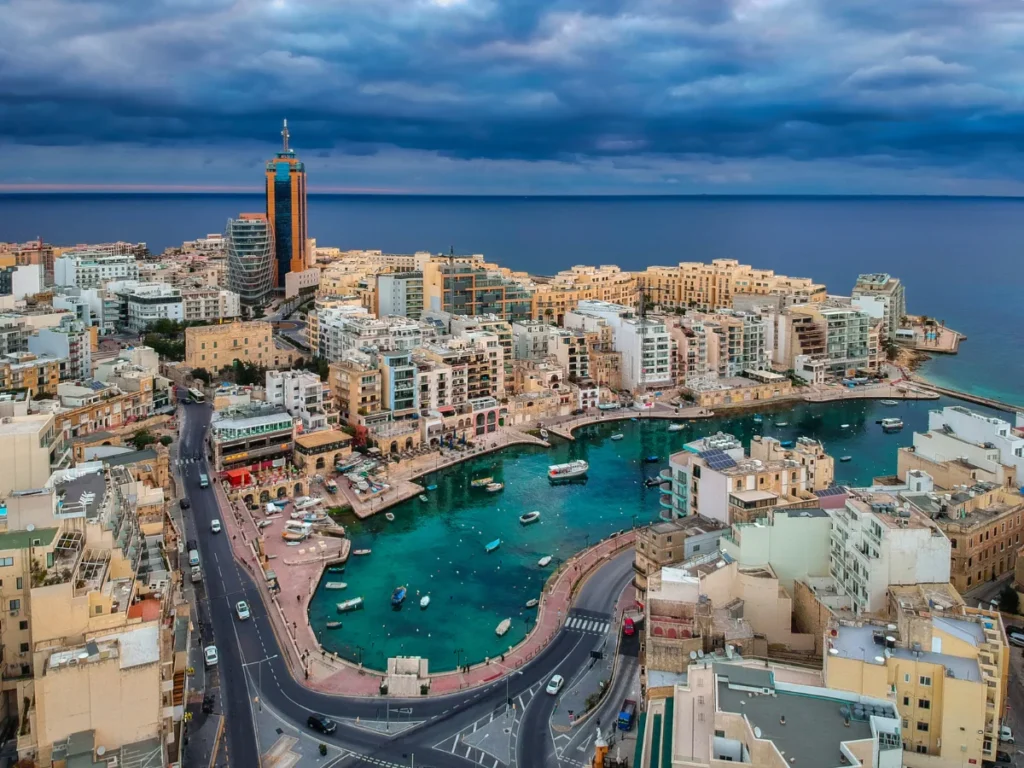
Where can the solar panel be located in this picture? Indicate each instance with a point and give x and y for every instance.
(835, 490)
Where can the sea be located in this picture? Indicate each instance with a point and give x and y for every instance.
(960, 258)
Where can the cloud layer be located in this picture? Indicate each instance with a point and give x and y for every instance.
(519, 95)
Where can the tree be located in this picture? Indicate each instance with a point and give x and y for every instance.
(1009, 600)
(141, 439)
(166, 440)
(202, 374)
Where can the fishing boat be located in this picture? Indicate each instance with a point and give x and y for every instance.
(424, 601)
(543, 434)
(676, 427)
(618, 436)
(398, 597)
(846, 458)
(652, 459)
(492, 545)
(333, 625)
(889, 402)
(891, 425)
(529, 517)
(361, 552)
(336, 569)
(503, 627)
(424, 498)
(431, 487)
(844, 426)
(482, 482)
(544, 561)
(781, 423)
(389, 516)
(350, 605)
(577, 468)
(532, 603)
(494, 487)
(335, 585)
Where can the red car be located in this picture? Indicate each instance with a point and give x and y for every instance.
(628, 627)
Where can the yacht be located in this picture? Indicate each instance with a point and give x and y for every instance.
(891, 425)
(577, 468)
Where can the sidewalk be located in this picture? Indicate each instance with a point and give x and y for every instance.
(564, 426)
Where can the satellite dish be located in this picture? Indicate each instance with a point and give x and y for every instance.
(30, 527)
(757, 732)
(700, 654)
(101, 751)
(693, 655)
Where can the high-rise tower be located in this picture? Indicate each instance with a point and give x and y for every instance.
(251, 262)
(286, 211)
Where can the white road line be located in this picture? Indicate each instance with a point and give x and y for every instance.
(588, 626)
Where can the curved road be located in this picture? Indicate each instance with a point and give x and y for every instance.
(250, 650)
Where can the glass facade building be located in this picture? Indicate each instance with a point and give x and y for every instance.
(251, 258)
(286, 211)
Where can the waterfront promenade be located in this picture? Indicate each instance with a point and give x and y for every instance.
(298, 577)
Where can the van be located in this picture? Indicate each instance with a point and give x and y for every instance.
(204, 481)
(215, 526)
(193, 557)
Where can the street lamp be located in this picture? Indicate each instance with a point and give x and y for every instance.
(458, 657)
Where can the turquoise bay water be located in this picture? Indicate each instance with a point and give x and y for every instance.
(437, 547)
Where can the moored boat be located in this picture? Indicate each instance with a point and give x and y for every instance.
(335, 585)
(424, 498)
(481, 482)
(618, 436)
(891, 425)
(532, 603)
(529, 517)
(846, 458)
(361, 551)
(336, 569)
(676, 427)
(577, 468)
(889, 402)
(495, 487)
(333, 625)
(543, 434)
(424, 601)
(544, 561)
(398, 597)
(389, 516)
(503, 627)
(431, 487)
(350, 605)
(781, 423)
(652, 459)
(492, 545)
(844, 426)
(758, 418)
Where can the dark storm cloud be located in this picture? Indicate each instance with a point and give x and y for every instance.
(934, 83)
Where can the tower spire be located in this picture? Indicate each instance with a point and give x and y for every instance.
(284, 134)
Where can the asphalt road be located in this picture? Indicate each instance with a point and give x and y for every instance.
(250, 649)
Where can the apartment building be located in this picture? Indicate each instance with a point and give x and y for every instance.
(36, 374)
(725, 710)
(71, 342)
(345, 329)
(399, 294)
(554, 299)
(691, 350)
(467, 285)
(31, 449)
(878, 543)
(711, 287)
(883, 296)
(301, 394)
(209, 305)
(806, 450)
(218, 346)
(33, 252)
(986, 441)
(461, 326)
(91, 269)
(14, 334)
(943, 665)
(982, 522)
(399, 384)
(433, 381)
(356, 384)
(477, 366)
(643, 343)
(531, 339)
(22, 282)
(91, 407)
(669, 542)
(736, 342)
(252, 436)
(712, 477)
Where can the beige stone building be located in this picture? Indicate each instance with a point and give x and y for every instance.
(356, 385)
(214, 347)
(31, 448)
(582, 283)
(319, 452)
(36, 374)
(669, 542)
(810, 453)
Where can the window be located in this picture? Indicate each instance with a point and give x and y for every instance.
(924, 680)
(22, 625)
(906, 701)
(99, 609)
(923, 727)
(924, 704)
(14, 605)
(906, 678)
(6, 562)
(20, 583)
(24, 647)
(952, 543)
(906, 724)
(921, 749)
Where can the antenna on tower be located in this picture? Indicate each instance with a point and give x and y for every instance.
(284, 134)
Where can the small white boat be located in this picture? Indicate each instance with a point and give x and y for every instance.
(481, 482)
(543, 434)
(844, 426)
(389, 516)
(335, 585)
(424, 601)
(424, 498)
(846, 458)
(891, 425)
(676, 427)
(544, 561)
(495, 487)
(889, 402)
(618, 436)
(781, 423)
(532, 603)
(503, 627)
(529, 517)
(350, 605)
(361, 552)
(568, 471)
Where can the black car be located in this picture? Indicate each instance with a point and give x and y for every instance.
(184, 504)
(321, 723)
(1003, 757)
(1016, 630)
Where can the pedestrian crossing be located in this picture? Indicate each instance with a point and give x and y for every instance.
(587, 625)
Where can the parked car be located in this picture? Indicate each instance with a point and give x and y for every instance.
(215, 526)
(184, 504)
(210, 654)
(1006, 734)
(555, 684)
(1003, 757)
(321, 723)
(242, 609)
(628, 627)
(1016, 638)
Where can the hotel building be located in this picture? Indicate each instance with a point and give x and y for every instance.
(286, 212)
(250, 248)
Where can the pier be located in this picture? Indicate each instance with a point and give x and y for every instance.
(999, 405)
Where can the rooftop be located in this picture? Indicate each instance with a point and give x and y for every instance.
(861, 644)
(24, 425)
(322, 438)
(80, 490)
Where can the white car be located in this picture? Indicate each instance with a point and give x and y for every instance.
(1006, 734)
(215, 526)
(210, 654)
(555, 685)
(242, 609)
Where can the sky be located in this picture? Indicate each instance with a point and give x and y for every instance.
(516, 96)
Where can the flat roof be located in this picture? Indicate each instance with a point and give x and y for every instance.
(321, 438)
(858, 643)
(25, 425)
